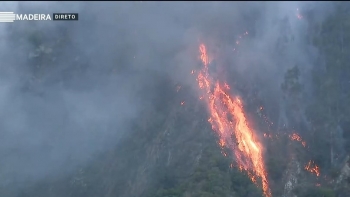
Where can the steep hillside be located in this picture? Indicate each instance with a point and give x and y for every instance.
(124, 115)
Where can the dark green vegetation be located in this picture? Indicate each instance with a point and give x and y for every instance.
(171, 150)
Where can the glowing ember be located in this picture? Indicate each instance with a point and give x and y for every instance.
(228, 119)
(299, 16)
(313, 168)
(267, 135)
(296, 137)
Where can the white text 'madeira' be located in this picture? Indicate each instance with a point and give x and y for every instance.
(33, 17)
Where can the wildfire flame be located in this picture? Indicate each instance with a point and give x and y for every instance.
(313, 168)
(228, 119)
(296, 137)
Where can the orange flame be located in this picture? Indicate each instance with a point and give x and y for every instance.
(313, 168)
(227, 118)
(296, 137)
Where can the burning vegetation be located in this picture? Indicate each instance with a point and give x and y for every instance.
(313, 168)
(173, 126)
(296, 137)
(228, 119)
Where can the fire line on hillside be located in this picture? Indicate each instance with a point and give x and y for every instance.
(228, 119)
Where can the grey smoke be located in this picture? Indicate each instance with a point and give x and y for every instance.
(104, 75)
